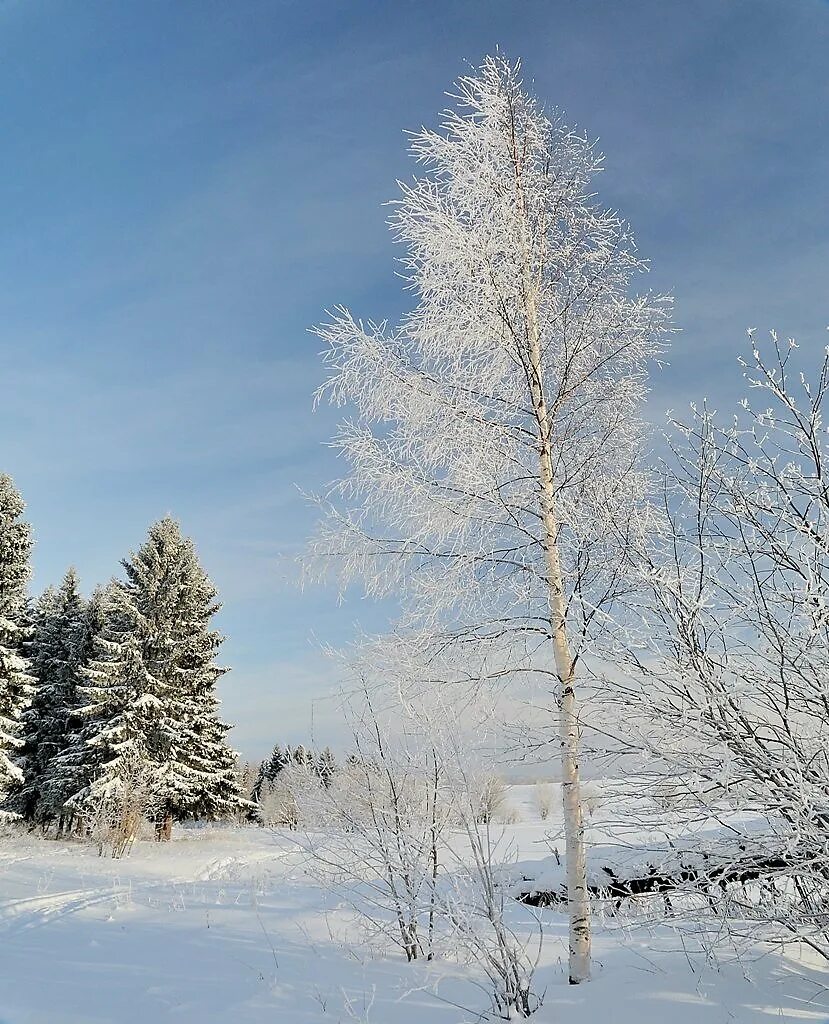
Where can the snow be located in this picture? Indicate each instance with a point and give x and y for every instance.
(224, 924)
(630, 838)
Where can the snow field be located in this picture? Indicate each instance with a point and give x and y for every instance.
(225, 924)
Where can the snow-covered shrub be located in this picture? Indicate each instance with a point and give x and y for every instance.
(545, 797)
(383, 817)
(491, 798)
(114, 815)
(591, 796)
(472, 898)
(410, 838)
(277, 806)
(729, 688)
(508, 814)
(291, 798)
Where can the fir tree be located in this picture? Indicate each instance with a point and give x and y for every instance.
(150, 689)
(15, 680)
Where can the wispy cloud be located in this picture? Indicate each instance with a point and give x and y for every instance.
(183, 192)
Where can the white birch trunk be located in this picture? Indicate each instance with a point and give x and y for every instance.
(578, 896)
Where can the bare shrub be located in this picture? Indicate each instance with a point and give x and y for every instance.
(288, 799)
(591, 798)
(113, 816)
(277, 805)
(411, 843)
(475, 903)
(508, 815)
(727, 696)
(384, 816)
(492, 796)
(545, 797)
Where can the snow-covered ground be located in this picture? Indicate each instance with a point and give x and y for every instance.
(225, 925)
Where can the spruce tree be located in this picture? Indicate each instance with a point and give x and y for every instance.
(15, 680)
(277, 762)
(69, 764)
(150, 689)
(44, 723)
(326, 766)
(269, 769)
(261, 782)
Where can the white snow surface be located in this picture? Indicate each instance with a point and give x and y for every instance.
(224, 925)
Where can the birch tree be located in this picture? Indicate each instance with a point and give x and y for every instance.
(731, 688)
(494, 442)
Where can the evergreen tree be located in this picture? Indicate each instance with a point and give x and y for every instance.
(326, 766)
(150, 689)
(71, 767)
(261, 781)
(301, 757)
(15, 680)
(246, 776)
(55, 662)
(277, 763)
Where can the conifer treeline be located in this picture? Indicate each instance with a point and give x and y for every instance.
(94, 691)
(256, 778)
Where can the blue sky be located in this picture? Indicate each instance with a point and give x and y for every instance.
(186, 186)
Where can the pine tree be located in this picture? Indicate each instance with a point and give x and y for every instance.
(150, 688)
(15, 680)
(54, 661)
(211, 763)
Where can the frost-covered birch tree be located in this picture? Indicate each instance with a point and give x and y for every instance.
(494, 441)
(732, 687)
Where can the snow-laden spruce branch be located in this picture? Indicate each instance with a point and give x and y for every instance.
(493, 442)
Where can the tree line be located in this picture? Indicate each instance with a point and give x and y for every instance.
(257, 777)
(105, 697)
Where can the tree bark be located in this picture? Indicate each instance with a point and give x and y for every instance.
(578, 893)
(164, 826)
(682, 879)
